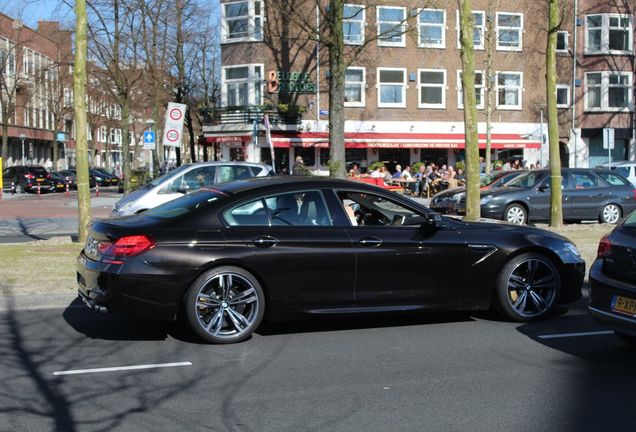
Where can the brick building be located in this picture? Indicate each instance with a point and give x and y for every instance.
(403, 93)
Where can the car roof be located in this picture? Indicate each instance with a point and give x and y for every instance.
(258, 183)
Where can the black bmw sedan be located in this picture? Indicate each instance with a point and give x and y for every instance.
(613, 280)
(283, 246)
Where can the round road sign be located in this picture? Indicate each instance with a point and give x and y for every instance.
(176, 114)
(173, 136)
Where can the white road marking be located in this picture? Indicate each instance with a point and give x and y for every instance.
(122, 368)
(566, 335)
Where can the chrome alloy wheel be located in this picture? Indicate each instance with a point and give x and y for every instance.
(532, 287)
(611, 214)
(227, 306)
(516, 215)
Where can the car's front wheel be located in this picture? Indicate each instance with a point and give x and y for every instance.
(18, 188)
(610, 214)
(516, 214)
(225, 305)
(527, 287)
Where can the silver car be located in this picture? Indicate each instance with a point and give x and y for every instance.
(186, 178)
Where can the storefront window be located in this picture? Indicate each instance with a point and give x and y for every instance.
(237, 154)
(307, 153)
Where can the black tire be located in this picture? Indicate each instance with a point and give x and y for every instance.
(224, 305)
(527, 287)
(627, 338)
(516, 214)
(18, 188)
(610, 214)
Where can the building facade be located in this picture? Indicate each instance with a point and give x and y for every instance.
(403, 93)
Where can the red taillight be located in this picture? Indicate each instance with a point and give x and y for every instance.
(126, 246)
(604, 247)
(48, 176)
(29, 176)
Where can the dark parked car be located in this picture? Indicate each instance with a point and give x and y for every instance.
(588, 194)
(59, 181)
(103, 178)
(446, 201)
(613, 280)
(71, 176)
(26, 179)
(291, 245)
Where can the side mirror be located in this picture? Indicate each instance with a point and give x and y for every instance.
(543, 188)
(432, 223)
(183, 190)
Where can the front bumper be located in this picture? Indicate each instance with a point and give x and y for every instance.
(602, 290)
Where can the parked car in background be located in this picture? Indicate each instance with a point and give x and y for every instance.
(446, 202)
(613, 280)
(280, 246)
(185, 179)
(59, 181)
(588, 194)
(26, 179)
(627, 170)
(71, 175)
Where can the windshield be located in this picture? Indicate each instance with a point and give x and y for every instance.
(161, 178)
(490, 178)
(185, 204)
(528, 179)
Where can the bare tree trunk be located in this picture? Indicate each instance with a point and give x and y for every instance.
(79, 106)
(125, 143)
(336, 91)
(490, 95)
(556, 204)
(190, 126)
(466, 19)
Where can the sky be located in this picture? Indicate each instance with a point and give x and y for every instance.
(32, 11)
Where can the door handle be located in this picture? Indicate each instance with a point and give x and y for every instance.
(265, 241)
(370, 241)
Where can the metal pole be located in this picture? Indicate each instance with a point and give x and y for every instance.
(573, 101)
(542, 140)
(317, 68)
(22, 139)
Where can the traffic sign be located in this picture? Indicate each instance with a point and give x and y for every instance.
(175, 115)
(173, 135)
(608, 138)
(149, 140)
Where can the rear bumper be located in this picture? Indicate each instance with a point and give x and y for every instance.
(602, 291)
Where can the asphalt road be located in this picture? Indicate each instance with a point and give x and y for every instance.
(440, 372)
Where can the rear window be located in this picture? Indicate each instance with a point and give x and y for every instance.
(614, 179)
(185, 204)
(525, 180)
(38, 172)
(630, 222)
(624, 171)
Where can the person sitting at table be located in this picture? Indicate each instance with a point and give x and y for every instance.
(398, 172)
(385, 174)
(407, 180)
(377, 172)
(354, 172)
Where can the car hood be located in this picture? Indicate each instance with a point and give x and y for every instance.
(501, 191)
(500, 226)
(132, 196)
(450, 192)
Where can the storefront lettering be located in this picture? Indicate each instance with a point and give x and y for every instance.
(290, 82)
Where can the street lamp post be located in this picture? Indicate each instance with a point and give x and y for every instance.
(22, 137)
(149, 125)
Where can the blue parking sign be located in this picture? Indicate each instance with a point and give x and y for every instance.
(149, 140)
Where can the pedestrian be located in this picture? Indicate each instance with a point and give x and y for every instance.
(354, 172)
(398, 171)
(299, 167)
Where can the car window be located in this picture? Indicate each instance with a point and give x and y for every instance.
(366, 209)
(256, 170)
(251, 214)
(38, 172)
(5, 172)
(622, 170)
(184, 204)
(228, 173)
(630, 222)
(613, 179)
(528, 179)
(196, 178)
(583, 180)
(298, 209)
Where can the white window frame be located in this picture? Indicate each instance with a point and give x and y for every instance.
(379, 86)
(605, 86)
(363, 86)
(420, 25)
(482, 89)
(421, 86)
(481, 27)
(565, 87)
(605, 29)
(9, 61)
(567, 41)
(401, 24)
(518, 29)
(252, 83)
(251, 17)
(362, 19)
(517, 107)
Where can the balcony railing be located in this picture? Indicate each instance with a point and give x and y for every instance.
(249, 114)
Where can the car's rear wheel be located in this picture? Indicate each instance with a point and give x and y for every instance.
(18, 188)
(626, 337)
(225, 305)
(516, 214)
(610, 214)
(527, 287)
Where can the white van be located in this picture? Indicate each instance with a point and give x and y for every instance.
(186, 178)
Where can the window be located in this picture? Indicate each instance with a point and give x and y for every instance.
(431, 88)
(250, 214)
(115, 136)
(615, 180)
(391, 88)
(478, 31)
(353, 22)
(562, 41)
(583, 180)
(298, 209)
(7, 57)
(242, 21)
(242, 85)
(194, 179)
(432, 28)
(373, 210)
(354, 87)
(608, 34)
(563, 95)
(480, 88)
(229, 173)
(509, 87)
(391, 26)
(608, 91)
(509, 31)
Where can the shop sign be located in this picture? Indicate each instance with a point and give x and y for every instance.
(290, 82)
